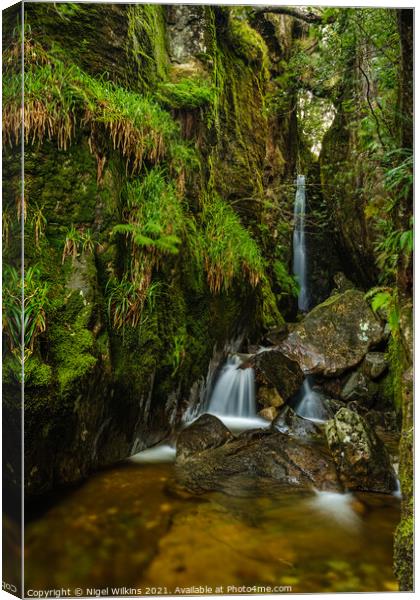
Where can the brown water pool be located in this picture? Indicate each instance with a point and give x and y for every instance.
(132, 526)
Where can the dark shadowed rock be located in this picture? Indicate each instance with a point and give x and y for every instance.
(289, 423)
(206, 432)
(280, 371)
(362, 460)
(335, 335)
(276, 456)
(358, 388)
(374, 364)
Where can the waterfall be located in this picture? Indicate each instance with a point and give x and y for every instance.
(232, 398)
(299, 244)
(309, 404)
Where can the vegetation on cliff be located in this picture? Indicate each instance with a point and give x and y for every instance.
(161, 149)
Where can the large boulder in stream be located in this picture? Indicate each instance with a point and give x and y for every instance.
(273, 367)
(335, 335)
(362, 460)
(204, 433)
(257, 455)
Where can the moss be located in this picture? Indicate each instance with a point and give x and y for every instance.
(72, 344)
(186, 93)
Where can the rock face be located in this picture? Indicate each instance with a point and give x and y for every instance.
(289, 423)
(360, 389)
(269, 396)
(374, 364)
(269, 413)
(206, 432)
(280, 371)
(362, 460)
(334, 336)
(276, 456)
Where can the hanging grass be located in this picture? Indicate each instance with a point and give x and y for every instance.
(228, 248)
(60, 98)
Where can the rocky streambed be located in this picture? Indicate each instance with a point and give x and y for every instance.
(312, 506)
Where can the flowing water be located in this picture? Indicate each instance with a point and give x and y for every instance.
(232, 399)
(309, 404)
(299, 244)
(132, 526)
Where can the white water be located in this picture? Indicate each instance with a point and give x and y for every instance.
(337, 507)
(310, 406)
(233, 397)
(157, 454)
(299, 244)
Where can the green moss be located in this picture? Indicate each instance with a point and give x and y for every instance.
(186, 93)
(247, 42)
(72, 344)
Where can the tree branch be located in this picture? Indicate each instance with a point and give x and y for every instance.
(306, 16)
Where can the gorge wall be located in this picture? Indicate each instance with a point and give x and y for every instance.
(180, 96)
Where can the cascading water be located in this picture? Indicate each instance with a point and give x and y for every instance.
(309, 404)
(299, 244)
(232, 399)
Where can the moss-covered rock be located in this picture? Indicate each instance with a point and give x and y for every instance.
(335, 335)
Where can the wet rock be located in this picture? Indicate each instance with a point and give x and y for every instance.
(335, 336)
(206, 432)
(385, 420)
(362, 460)
(360, 389)
(277, 334)
(269, 413)
(289, 423)
(342, 283)
(280, 371)
(276, 456)
(374, 364)
(269, 396)
(334, 405)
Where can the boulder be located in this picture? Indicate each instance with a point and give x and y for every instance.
(360, 389)
(276, 456)
(362, 460)
(289, 423)
(269, 396)
(204, 433)
(342, 283)
(273, 367)
(269, 413)
(335, 336)
(374, 364)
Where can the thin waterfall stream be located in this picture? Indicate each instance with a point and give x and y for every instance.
(309, 403)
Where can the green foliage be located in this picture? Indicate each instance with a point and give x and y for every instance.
(35, 305)
(186, 93)
(136, 125)
(39, 223)
(126, 305)
(154, 214)
(77, 242)
(383, 301)
(228, 249)
(287, 283)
